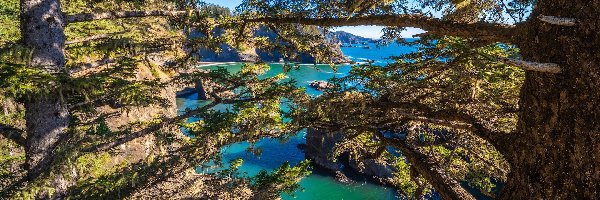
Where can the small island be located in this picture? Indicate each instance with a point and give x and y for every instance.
(321, 85)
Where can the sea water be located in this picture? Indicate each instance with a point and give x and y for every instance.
(321, 184)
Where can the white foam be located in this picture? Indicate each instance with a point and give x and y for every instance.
(217, 64)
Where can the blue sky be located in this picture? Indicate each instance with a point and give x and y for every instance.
(364, 31)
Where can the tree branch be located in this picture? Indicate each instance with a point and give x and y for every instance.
(485, 31)
(82, 17)
(156, 127)
(443, 122)
(558, 21)
(447, 187)
(532, 66)
(89, 67)
(449, 118)
(13, 134)
(466, 122)
(148, 130)
(92, 38)
(482, 30)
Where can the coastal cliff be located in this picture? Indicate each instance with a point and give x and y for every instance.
(320, 146)
(347, 38)
(228, 53)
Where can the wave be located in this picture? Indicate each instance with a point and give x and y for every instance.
(336, 73)
(209, 64)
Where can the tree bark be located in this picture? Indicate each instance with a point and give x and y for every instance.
(490, 32)
(42, 30)
(556, 150)
(47, 121)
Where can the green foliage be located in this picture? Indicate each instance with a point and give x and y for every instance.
(92, 165)
(20, 80)
(481, 181)
(447, 78)
(11, 160)
(405, 180)
(284, 179)
(214, 11)
(9, 22)
(101, 128)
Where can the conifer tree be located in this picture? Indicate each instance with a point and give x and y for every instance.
(509, 85)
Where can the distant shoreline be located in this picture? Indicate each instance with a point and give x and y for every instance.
(209, 64)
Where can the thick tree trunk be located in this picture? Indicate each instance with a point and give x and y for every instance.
(47, 121)
(556, 153)
(42, 30)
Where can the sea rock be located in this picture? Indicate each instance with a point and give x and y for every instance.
(373, 167)
(321, 85)
(320, 145)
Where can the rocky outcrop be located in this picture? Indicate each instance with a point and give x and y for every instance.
(320, 145)
(228, 54)
(321, 85)
(375, 168)
(347, 38)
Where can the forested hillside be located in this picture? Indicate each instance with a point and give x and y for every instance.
(347, 38)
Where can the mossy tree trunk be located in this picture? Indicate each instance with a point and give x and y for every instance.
(556, 153)
(42, 30)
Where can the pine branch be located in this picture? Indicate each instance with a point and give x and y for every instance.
(150, 129)
(13, 134)
(448, 117)
(92, 38)
(485, 31)
(558, 21)
(83, 17)
(482, 30)
(88, 68)
(447, 187)
(163, 123)
(532, 66)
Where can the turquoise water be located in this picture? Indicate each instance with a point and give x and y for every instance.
(320, 184)
(379, 55)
